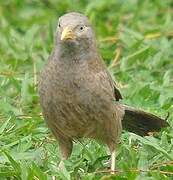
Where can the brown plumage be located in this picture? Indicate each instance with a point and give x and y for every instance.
(78, 96)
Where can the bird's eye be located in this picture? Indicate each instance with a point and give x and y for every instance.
(81, 28)
(59, 25)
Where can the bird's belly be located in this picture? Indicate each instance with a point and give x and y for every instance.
(78, 111)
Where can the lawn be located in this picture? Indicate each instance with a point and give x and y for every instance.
(135, 38)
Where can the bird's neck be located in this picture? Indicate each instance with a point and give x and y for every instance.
(70, 53)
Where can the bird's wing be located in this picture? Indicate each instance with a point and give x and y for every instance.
(100, 67)
(113, 84)
(117, 93)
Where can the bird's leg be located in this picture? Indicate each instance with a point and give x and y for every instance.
(66, 149)
(113, 159)
(113, 156)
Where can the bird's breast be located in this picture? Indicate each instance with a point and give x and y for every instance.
(76, 98)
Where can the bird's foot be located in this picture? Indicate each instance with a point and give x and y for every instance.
(61, 166)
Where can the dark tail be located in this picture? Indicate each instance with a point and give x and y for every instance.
(141, 122)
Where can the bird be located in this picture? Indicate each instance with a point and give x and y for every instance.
(79, 98)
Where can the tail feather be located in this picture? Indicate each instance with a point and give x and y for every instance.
(141, 122)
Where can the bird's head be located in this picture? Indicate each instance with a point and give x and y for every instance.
(75, 32)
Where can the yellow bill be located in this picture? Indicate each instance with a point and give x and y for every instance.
(67, 33)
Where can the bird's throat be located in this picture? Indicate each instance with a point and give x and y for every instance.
(72, 52)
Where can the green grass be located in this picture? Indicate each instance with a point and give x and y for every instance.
(142, 31)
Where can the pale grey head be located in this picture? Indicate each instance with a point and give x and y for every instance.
(75, 35)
